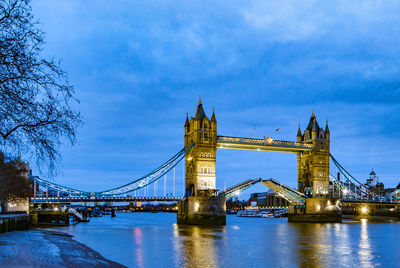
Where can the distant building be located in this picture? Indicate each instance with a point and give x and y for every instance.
(372, 181)
(374, 184)
(378, 187)
(269, 199)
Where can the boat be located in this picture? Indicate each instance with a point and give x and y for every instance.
(251, 213)
(265, 214)
(281, 213)
(231, 211)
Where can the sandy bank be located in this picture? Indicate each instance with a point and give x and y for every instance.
(42, 248)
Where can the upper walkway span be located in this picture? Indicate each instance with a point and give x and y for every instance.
(267, 144)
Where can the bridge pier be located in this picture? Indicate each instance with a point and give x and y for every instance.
(202, 210)
(316, 210)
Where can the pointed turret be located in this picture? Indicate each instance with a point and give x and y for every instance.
(313, 124)
(299, 136)
(187, 123)
(200, 114)
(214, 124)
(213, 119)
(327, 133)
(312, 128)
(326, 127)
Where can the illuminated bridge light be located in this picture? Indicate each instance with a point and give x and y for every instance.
(364, 210)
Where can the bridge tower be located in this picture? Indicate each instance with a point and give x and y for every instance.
(202, 206)
(200, 161)
(313, 166)
(313, 177)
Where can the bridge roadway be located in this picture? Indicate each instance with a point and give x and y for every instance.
(105, 199)
(267, 144)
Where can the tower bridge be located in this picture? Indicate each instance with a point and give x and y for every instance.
(316, 198)
(313, 153)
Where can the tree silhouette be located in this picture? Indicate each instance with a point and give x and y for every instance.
(14, 183)
(37, 106)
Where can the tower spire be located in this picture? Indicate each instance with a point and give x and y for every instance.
(187, 120)
(299, 132)
(213, 119)
(326, 127)
(200, 112)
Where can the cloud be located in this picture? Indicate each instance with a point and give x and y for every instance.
(139, 66)
(283, 21)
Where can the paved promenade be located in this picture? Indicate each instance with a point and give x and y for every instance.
(42, 248)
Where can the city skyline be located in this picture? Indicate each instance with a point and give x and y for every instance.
(138, 68)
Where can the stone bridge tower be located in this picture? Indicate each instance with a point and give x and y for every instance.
(313, 166)
(202, 205)
(200, 162)
(313, 177)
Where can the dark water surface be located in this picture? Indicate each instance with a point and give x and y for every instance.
(154, 240)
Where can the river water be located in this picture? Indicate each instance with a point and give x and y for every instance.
(155, 240)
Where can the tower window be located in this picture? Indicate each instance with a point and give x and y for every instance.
(206, 170)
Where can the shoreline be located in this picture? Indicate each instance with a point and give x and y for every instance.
(46, 248)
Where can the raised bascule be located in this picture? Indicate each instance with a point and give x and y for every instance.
(204, 206)
(320, 196)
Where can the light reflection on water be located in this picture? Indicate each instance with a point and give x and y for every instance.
(137, 232)
(155, 240)
(364, 252)
(196, 246)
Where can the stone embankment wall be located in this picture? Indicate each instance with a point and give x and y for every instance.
(14, 222)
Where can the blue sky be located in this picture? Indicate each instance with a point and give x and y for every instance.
(139, 66)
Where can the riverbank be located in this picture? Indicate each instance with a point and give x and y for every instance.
(44, 248)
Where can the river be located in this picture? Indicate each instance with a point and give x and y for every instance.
(155, 240)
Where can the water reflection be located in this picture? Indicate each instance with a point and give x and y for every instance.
(364, 252)
(342, 245)
(154, 240)
(314, 248)
(196, 246)
(137, 232)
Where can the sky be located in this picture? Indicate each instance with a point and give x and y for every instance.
(139, 66)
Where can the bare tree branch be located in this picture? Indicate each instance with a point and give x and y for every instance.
(37, 103)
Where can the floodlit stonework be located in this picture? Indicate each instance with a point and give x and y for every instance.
(313, 165)
(202, 206)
